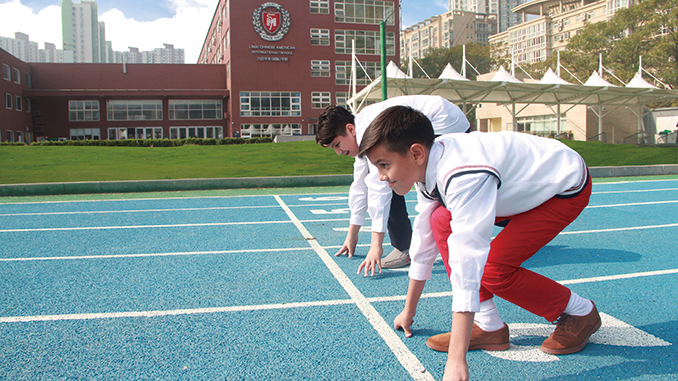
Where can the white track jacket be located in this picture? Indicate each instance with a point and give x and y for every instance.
(366, 188)
(481, 176)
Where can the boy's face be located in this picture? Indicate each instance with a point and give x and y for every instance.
(400, 171)
(347, 144)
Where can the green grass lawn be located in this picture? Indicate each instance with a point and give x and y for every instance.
(598, 154)
(36, 164)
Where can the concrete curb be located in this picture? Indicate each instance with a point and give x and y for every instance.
(43, 189)
(635, 170)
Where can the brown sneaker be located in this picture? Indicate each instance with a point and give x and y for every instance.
(490, 341)
(572, 333)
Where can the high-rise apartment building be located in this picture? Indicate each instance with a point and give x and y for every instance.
(502, 9)
(450, 29)
(26, 50)
(555, 22)
(80, 30)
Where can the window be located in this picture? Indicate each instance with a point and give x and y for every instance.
(343, 69)
(134, 110)
(252, 130)
(542, 125)
(363, 11)
(313, 128)
(320, 37)
(320, 99)
(28, 105)
(341, 98)
(320, 6)
(81, 111)
(10, 136)
(8, 101)
(320, 68)
(29, 80)
(270, 103)
(135, 133)
(366, 42)
(18, 103)
(16, 74)
(85, 133)
(6, 72)
(196, 132)
(195, 109)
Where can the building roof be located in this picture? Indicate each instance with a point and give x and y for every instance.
(509, 92)
(535, 7)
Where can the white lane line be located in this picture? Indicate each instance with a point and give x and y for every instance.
(197, 311)
(619, 229)
(166, 210)
(406, 358)
(632, 204)
(136, 211)
(620, 276)
(637, 191)
(188, 311)
(150, 255)
(142, 226)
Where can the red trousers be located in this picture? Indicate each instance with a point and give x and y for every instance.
(523, 236)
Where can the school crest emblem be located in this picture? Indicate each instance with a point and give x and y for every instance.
(271, 21)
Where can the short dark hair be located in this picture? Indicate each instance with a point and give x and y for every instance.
(397, 128)
(332, 123)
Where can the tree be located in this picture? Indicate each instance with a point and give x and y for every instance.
(435, 61)
(648, 29)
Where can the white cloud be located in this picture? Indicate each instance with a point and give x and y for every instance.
(44, 26)
(185, 30)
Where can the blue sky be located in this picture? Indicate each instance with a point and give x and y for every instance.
(148, 24)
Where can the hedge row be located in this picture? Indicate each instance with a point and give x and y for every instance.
(12, 144)
(155, 142)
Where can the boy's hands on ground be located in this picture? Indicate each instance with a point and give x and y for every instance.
(456, 370)
(350, 242)
(456, 367)
(372, 261)
(404, 320)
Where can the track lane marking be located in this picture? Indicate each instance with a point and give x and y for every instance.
(406, 358)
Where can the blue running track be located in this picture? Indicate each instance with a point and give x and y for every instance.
(248, 288)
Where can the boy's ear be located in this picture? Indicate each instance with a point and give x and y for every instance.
(350, 129)
(418, 153)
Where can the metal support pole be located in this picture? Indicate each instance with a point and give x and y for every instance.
(384, 86)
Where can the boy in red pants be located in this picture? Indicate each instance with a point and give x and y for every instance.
(465, 184)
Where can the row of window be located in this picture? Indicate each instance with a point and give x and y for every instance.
(357, 11)
(193, 109)
(121, 133)
(366, 74)
(14, 137)
(13, 74)
(16, 103)
(281, 103)
(366, 41)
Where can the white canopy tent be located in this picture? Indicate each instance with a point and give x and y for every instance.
(504, 89)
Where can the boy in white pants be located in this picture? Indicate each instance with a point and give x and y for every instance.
(538, 185)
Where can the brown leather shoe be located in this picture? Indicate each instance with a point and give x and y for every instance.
(490, 341)
(572, 333)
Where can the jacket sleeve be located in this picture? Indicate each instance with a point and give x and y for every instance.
(379, 200)
(357, 193)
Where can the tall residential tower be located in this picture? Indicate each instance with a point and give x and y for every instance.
(80, 30)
